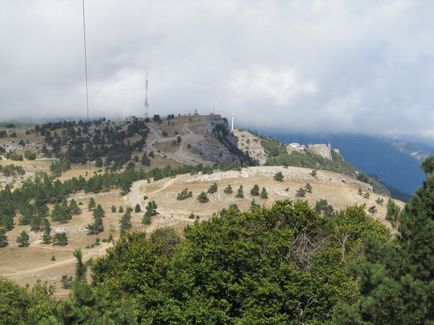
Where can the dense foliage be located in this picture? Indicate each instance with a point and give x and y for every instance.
(287, 264)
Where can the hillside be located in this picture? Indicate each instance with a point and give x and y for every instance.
(270, 152)
(51, 173)
(394, 162)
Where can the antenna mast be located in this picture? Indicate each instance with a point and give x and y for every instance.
(146, 97)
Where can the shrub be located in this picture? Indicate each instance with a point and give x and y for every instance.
(228, 190)
(23, 239)
(212, 189)
(184, 194)
(301, 192)
(240, 192)
(202, 197)
(60, 239)
(255, 190)
(264, 193)
(278, 177)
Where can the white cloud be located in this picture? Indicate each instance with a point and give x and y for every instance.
(258, 84)
(303, 65)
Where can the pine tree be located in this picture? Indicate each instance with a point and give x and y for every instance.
(23, 239)
(7, 222)
(228, 189)
(212, 189)
(254, 205)
(113, 209)
(91, 204)
(264, 193)
(240, 192)
(3, 238)
(278, 177)
(151, 210)
(202, 197)
(301, 192)
(80, 267)
(393, 211)
(125, 222)
(73, 208)
(255, 190)
(60, 239)
(97, 226)
(46, 228)
(137, 208)
(396, 279)
(145, 160)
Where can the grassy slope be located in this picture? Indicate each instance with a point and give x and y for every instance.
(278, 156)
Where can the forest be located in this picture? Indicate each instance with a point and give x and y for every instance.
(287, 264)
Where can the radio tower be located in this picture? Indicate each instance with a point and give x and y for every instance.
(146, 97)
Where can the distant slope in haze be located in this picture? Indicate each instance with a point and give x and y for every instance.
(374, 155)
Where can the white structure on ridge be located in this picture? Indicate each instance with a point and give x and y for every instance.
(232, 123)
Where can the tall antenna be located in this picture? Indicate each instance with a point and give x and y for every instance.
(85, 61)
(232, 124)
(146, 97)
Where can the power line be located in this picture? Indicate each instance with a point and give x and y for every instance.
(85, 75)
(85, 61)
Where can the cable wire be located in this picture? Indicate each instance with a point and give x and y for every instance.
(85, 61)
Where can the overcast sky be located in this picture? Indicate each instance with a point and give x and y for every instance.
(302, 65)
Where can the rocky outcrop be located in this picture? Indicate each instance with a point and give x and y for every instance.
(322, 150)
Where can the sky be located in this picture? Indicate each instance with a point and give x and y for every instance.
(301, 65)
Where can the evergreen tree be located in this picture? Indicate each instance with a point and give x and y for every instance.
(80, 267)
(240, 192)
(61, 212)
(202, 197)
(151, 210)
(145, 160)
(137, 208)
(147, 219)
(212, 189)
(264, 193)
(73, 208)
(35, 223)
(91, 204)
(60, 239)
(46, 231)
(396, 278)
(254, 205)
(322, 206)
(255, 190)
(184, 194)
(228, 189)
(3, 238)
(278, 177)
(301, 192)
(97, 226)
(308, 188)
(125, 222)
(121, 209)
(113, 209)
(23, 239)
(7, 222)
(393, 211)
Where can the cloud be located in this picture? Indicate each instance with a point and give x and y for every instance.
(298, 65)
(279, 87)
